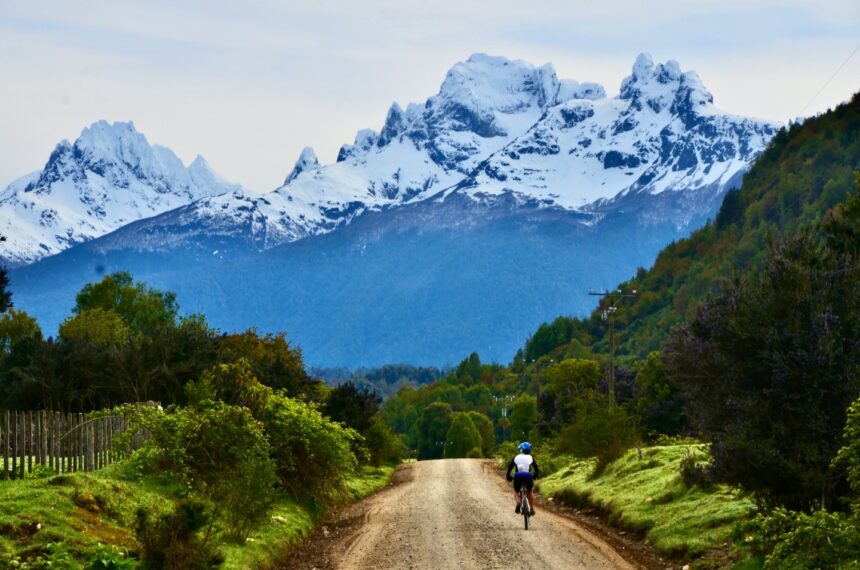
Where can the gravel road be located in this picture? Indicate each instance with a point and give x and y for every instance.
(452, 513)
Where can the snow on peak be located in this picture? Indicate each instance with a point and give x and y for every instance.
(500, 84)
(110, 176)
(365, 139)
(664, 85)
(307, 161)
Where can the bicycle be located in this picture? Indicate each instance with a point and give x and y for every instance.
(525, 507)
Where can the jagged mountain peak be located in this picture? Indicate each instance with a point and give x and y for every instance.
(307, 161)
(663, 86)
(110, 176)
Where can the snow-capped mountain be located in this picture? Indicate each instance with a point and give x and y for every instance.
(504, 127)
(109, 177)
(660, 134)
(461, 224)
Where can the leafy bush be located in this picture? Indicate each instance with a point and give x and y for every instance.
(173, 541)
(694, 473)
(218, 451)
(599, 430)
(312, 454)
(800, 540)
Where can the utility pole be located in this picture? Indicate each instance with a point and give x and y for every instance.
(612, 299)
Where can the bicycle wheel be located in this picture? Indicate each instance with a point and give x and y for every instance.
(526, 508)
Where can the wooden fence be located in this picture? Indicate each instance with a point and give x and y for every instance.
(63, 442)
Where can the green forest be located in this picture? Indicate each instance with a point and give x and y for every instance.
(744, 337)
(741, 345)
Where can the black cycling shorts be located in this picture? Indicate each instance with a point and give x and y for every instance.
(518, 483)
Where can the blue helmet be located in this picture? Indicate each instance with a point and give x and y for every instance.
(525, 447)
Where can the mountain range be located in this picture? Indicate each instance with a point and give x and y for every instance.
(464, 221)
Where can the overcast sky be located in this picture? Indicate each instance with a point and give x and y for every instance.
(248, 84)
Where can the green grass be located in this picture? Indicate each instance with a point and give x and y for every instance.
(370, 480)
(643, 492)
(70, 517)
(291, 521)
(77, 510)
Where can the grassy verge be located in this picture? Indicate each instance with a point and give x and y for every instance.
(291, 521)
(643, 492)
(71, 520)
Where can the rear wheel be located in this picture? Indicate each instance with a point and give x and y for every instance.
(526, 508)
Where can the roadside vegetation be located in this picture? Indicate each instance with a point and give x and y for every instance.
(244, 451)
(742, 340)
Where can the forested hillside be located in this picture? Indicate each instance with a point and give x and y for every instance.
(805, 170)
(744, 337)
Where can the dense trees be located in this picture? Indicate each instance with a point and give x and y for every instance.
(125, 342)
(769, 367)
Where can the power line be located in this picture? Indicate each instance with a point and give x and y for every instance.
(832, 77)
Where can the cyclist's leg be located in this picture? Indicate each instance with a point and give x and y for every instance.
(531, 494)
(517, 486)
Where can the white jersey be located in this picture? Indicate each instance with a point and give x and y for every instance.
(523, 462)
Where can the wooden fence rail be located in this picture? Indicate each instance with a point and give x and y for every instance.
(63, 442)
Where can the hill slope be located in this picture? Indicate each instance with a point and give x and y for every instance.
(805, 171)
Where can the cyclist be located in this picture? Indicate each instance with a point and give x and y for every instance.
(526, 472)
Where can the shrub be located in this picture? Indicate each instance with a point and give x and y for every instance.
(216, 450)
(599, 430)
(173, 541)
(800, 540)
(312, 454)
(694, 473)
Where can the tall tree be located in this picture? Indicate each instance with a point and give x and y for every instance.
(462, 438)
(433, 426)
(523, 417)
(353, 406)
(142, 308)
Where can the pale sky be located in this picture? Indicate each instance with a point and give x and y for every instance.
(249, 84)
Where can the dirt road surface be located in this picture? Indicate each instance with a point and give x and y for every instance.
(451, 513)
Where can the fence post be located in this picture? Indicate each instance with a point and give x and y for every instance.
(39, 439)
(55, 463)
(97, 443)
(15, 443)
(88, 444)
(6, 433)
(79, 442)
(27, 448)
